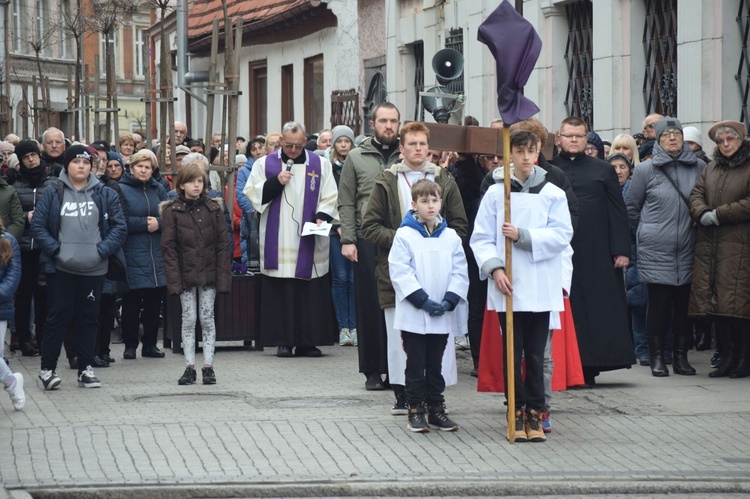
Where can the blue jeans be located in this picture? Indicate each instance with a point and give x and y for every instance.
(638, 321)
(342, 285)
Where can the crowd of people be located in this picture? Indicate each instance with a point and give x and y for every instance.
(387, 245)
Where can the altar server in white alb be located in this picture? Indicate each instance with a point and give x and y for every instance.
(430, 276)
(541, 230)
(289, 188)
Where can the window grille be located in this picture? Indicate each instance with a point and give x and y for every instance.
(455, 41)
(660, 48)
(418, 50)
(743, 71)
(579, 58)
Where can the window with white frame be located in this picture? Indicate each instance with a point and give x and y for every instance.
(17, 16)
(104, 39)
(139, 51)
(41, 26)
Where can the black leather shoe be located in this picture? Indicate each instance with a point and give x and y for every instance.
(283, 351)
(307, 352)
(73, 362)
(28, 350)
(100, 361)
(152, 352)
(108, 358)
(374, 382)
(129, 353)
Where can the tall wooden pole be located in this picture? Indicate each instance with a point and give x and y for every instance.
(510, 361)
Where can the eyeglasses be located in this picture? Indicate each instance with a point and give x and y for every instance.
(590, 148)
(113, 167)
(668, 133)
(294, 146)
(572, 136)
(727, 140)
(491, 157)
(649, 126)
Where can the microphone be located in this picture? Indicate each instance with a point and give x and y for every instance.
(289, 164)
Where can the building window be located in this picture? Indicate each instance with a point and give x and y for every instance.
(138, 51)
(660, 47)
(111, 39)
(287, 93)
(455, 41)
(41, 8)
(17, 13)
(258, 95)
(314, 96)
(418, 51)
(743, 72)
(579, 98)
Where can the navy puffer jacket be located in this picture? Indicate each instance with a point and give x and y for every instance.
(143, 248)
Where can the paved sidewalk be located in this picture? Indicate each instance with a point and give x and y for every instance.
(296, 427)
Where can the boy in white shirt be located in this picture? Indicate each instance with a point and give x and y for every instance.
(429, 273)
(541, 230)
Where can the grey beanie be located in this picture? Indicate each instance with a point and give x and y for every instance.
(342, 131)
(666, 123)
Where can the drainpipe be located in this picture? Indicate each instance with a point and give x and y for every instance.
(186, 78)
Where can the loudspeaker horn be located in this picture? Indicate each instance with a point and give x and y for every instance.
(448, 64)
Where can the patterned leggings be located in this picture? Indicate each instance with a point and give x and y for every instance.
(203, 298)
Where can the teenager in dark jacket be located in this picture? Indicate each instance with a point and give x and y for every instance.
(146, 280)
(79, 225)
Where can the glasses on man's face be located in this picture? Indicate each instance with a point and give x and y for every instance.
(491, 157)
(293, 147)
(671, 133)
(590, 148)
(113, 167)
(572, 136)
(650, 126)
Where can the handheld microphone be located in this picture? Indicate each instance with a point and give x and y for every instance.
(289, 164)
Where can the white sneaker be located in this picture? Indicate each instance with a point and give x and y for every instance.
(50, 379)
(345, 338)
(87, 379)
(17, 396)
(353, 334)
(462, 342)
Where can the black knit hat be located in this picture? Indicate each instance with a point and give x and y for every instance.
(25, 147)
(76, 151)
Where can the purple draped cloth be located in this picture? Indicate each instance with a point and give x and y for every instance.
(515, 46)
(306, 252)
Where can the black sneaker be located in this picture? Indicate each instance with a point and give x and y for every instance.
(86, 378)
(188, 377)
(436, 417)
(374, 382)
(50, 379)
(417, 422)
(716, 360)
(209, 377)
(400, 408)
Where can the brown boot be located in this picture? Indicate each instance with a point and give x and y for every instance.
(534, 430)
(520, 435)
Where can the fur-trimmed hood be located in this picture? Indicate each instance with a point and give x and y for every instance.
(740, 158)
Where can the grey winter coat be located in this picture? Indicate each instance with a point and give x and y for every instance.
(665, 235)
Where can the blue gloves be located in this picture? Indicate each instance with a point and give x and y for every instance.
(433, 308)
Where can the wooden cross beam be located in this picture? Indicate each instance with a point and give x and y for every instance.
(475, 139)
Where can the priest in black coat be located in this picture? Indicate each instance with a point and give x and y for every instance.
(601, 246)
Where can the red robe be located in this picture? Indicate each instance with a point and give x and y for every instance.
(567, 370)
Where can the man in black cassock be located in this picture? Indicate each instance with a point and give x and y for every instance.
(601, 246)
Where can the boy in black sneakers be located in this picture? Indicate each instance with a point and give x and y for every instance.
(78, 224)
(429, 273)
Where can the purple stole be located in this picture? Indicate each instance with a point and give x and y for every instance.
(307, 244)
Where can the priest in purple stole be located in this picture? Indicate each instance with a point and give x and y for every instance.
(289, 188)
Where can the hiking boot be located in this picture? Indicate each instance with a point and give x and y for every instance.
(345, 337)
(50, 379)
(188, 377)
(17, 396)
(436, 417)
(353, 334)
(546, 424)
(209, 377)
(400, 408)
(520, 435)
(534, 431)
(417, 422)
(86, 378)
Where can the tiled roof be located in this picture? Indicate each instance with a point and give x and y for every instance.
(203, 12)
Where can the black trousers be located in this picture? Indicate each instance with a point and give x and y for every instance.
(29, 289)
(143, 304)
(477, 298)
(107, 312)
(667, 304)
(530, 330)
(78, 296)
(424, 359)
(371, 334)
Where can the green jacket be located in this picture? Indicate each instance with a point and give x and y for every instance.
(383, 216)
(10, 209)
(358, 174)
